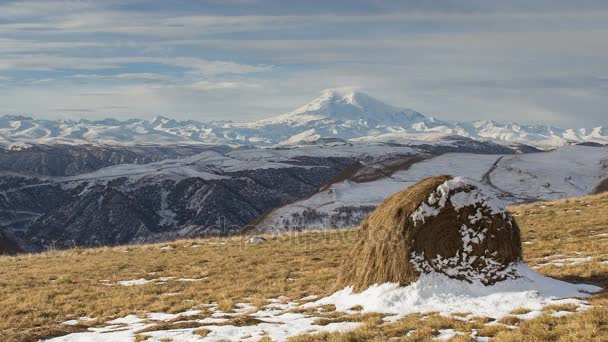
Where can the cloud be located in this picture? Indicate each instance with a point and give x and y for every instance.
(13, 46)
(33, 10)
(206, 67)
(74, 110)
(45, 62)
(144, 76)
(207, 85)
(521, 60)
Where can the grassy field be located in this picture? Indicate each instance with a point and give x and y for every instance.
(567, 239)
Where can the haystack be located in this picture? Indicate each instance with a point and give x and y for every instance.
(448, 225)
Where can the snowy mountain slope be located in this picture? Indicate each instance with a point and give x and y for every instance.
(337, 113)
(68, 160)
(566, 172)
(343, 105)
(223, 190)
(211, 165)
(212, 192)
(217, 191)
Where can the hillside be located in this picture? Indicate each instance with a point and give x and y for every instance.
(568, 171)
(63, 196)
(179, 290)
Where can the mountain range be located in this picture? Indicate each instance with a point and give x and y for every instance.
(59, 196)
(325, 164)
(336, 114)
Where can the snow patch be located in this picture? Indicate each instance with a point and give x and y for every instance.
(135, 282)
(167, 216)
(143, 281)
(446, 334)
(436, 292)
(564, 262)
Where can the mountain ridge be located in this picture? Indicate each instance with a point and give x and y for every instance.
(341, 113)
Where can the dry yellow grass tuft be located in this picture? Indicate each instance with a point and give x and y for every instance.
(39, 292)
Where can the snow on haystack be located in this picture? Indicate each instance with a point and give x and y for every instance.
(452, 226)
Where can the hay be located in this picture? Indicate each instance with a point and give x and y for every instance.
(443, 224)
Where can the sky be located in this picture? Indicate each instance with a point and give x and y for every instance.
(519, 60)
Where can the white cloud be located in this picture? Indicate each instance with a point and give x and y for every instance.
(176, 26)
(207, 85)
(13, 46)
(41, 62)
(216, 67)
(143, 76)
(44, 62)
(480, 60)
(15, 10)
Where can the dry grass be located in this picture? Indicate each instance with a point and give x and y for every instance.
(38, 292)
(509, 320)
(520, 311)
(561, 307)
(201, 332)
(492, 330)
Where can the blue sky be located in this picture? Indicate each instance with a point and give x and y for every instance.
(527, 61)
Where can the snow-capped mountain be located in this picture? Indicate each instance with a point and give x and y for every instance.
(337, 113)
(339, 105)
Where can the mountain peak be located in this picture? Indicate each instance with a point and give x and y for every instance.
(342, 99)
(347, 94)
(347, 104)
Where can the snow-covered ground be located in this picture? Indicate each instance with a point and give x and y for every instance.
(438, 293)
(566, 172)
(430, 293)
